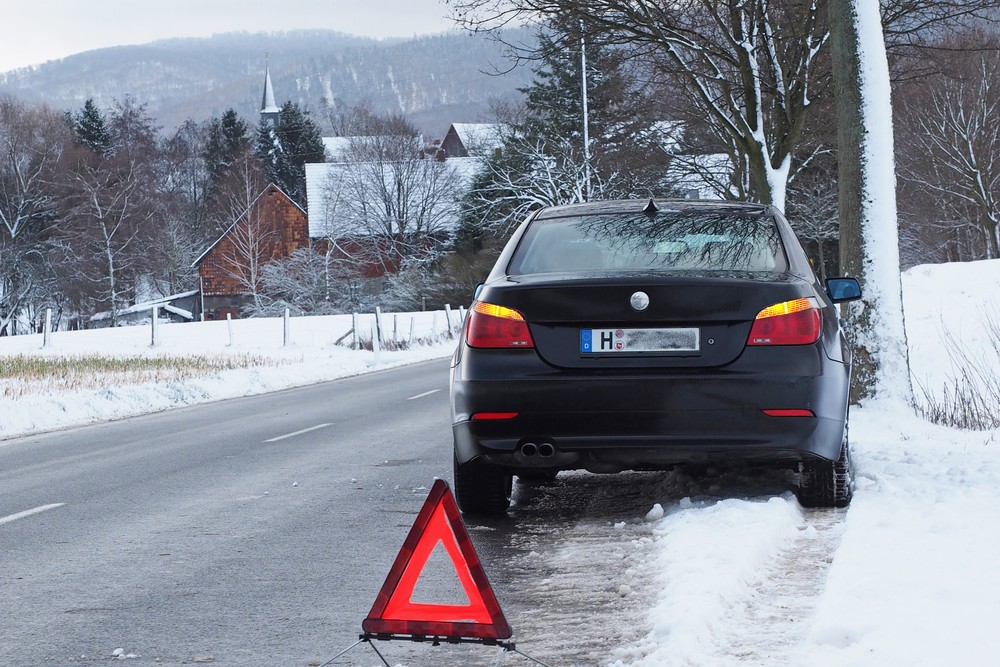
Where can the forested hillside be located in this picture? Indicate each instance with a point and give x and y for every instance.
(432, 80)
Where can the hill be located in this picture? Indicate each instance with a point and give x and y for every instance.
(433, 80)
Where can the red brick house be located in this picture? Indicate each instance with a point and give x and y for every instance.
(272, 227)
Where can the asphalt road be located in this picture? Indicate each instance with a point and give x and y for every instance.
(257, 532)
(227, 533)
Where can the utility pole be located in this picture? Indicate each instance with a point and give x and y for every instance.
(586, 113)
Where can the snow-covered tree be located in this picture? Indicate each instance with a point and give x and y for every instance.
(91, 128)
(388, 206)
(869, 238)
(286, 147)
(953, 155)
(753, 69)
(749, 66)
(32, 142)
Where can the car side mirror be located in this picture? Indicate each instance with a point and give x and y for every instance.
(843, 289)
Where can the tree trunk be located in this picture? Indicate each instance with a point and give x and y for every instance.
(869, 235)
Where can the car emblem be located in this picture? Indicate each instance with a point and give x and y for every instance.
(639, 301)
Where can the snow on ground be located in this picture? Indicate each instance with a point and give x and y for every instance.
(727, 571)
(906, 576)
(311, 356)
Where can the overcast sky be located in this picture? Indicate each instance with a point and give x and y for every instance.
(38, 30)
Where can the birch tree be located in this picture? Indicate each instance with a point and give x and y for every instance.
(111, 204)
(103, 233)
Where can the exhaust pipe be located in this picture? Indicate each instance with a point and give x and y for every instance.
(546, 449)
(529, 449)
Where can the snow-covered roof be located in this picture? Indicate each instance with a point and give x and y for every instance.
(338, 149)
(478, 133)
(334, 189)
(163, 302)
(479, 138)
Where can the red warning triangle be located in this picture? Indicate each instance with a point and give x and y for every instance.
(395, 612)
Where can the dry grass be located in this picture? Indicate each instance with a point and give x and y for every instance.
(970, 396)
(23, 375)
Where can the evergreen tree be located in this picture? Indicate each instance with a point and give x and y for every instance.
(622, 118)
(228, 139)
(543, 161)
(287, 146)
(91, 128)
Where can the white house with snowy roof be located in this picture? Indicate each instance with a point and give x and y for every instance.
(472, 139)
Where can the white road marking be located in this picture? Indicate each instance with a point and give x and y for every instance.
(292, 435)
(426, 393)
(21, 515)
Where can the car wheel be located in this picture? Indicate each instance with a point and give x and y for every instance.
(827, 483)
(482, 488)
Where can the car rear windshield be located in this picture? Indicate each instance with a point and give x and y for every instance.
(695, 241)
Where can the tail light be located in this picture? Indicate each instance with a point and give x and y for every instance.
(796, 322)
(494, 326)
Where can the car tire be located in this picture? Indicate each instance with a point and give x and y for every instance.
(482, 488)
(827, 483)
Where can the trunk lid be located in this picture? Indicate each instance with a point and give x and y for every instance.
(714, 311)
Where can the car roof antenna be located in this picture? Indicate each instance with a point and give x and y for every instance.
(651, 208)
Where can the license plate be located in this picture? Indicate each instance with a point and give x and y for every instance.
(599, 341)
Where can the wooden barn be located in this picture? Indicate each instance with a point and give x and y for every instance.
(230, 271)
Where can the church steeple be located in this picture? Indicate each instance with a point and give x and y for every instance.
(268, 109)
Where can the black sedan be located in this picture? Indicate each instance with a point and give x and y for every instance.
(634, 335)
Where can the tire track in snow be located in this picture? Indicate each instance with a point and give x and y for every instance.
(584, 579)
(575, 583)
(771, 627)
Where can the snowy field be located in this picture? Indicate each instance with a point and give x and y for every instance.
(906, 576)
(310, 356)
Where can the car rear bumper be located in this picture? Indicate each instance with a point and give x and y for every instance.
(613, 421)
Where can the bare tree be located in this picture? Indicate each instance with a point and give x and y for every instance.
(533, 172)
(954, 150)
(389, 205)
(750, 67)
(112, 209)
(182, 191)
(753, 68)
(310, 281)
(813, 211)
(250, 238)
(104, 228)
(32, 142)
